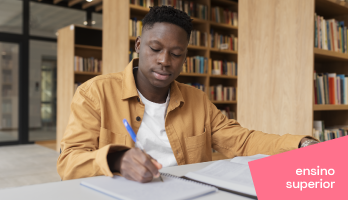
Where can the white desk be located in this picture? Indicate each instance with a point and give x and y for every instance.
(66, 190)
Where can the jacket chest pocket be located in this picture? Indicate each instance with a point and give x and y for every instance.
(196, 148)
(108, 137)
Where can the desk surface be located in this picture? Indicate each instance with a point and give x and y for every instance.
(73, 190)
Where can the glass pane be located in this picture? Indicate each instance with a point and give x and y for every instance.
(45, 20)
(97, 20)
(9, 91)
(11, 16)
(42, 90)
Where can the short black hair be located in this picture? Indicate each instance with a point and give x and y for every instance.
(167, 14)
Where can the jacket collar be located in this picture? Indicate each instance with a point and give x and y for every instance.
(129, 88)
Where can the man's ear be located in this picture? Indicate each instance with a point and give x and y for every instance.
(137, 44)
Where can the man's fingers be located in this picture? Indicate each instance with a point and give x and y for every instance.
(146, 161)
(157, 164)
(139, 166)
(138, 173)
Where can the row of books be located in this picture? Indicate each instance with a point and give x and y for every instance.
(220, 67)
(197, 85)
(224, 42)
(87, 64)
(222, 15)
(192, 8)
(329, 133)
(132, 54)
(330, 88)
(228, 113)
(221, 93)
(135, 27)
(330, 34)
(143, 3)
(196, 64)
(198, 38)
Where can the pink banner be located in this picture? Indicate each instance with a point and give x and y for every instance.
(318, 171)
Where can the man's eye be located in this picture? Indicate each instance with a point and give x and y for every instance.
(176, 55)
(155, 50)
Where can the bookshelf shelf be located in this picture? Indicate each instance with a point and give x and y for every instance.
(88, 47)
(226, 2)
(193, 74)
(329, 107)
(326, 55)
(215, 50)
(192, 47)
(198, 21)
(224, 102)
(138, 9)
(88, 73)
(221, 25)
(73, 40)
(331, 8)
(223, 76)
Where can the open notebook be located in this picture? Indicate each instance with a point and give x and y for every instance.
(172, 188)
(229, 175)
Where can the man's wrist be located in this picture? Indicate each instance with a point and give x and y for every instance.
(115, 159)
(306, 142)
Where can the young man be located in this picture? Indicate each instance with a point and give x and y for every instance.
(176, 123)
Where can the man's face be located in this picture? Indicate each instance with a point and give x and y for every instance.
(162, 52)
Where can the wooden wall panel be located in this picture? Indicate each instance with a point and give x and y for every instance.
(116, 15)
(275, 66)
(65, 77)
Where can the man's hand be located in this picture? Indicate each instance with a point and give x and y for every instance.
(135, 165)
(311, 142)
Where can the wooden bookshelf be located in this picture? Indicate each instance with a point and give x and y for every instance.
(223, 76)
(73, 40)
(326, 61)
(317, 107)
(276, 73)
(216, 50)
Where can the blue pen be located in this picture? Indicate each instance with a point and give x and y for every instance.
(134, 138)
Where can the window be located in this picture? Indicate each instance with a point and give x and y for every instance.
(11, 16)
(45, 20)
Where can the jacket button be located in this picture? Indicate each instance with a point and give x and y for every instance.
(138, 99)
(138, 118)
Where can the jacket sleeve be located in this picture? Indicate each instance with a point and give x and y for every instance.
(80, 153)
(230, 139)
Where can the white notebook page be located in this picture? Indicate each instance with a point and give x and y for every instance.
(233, 175)
(171, 188)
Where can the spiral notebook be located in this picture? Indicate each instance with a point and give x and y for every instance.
(172, 188)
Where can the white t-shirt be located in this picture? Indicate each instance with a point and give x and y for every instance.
(152, 134)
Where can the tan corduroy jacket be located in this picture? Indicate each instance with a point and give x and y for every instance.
(193, 125)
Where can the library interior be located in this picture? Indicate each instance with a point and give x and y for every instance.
(276, 66)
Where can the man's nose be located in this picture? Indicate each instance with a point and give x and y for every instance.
(164, 58)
